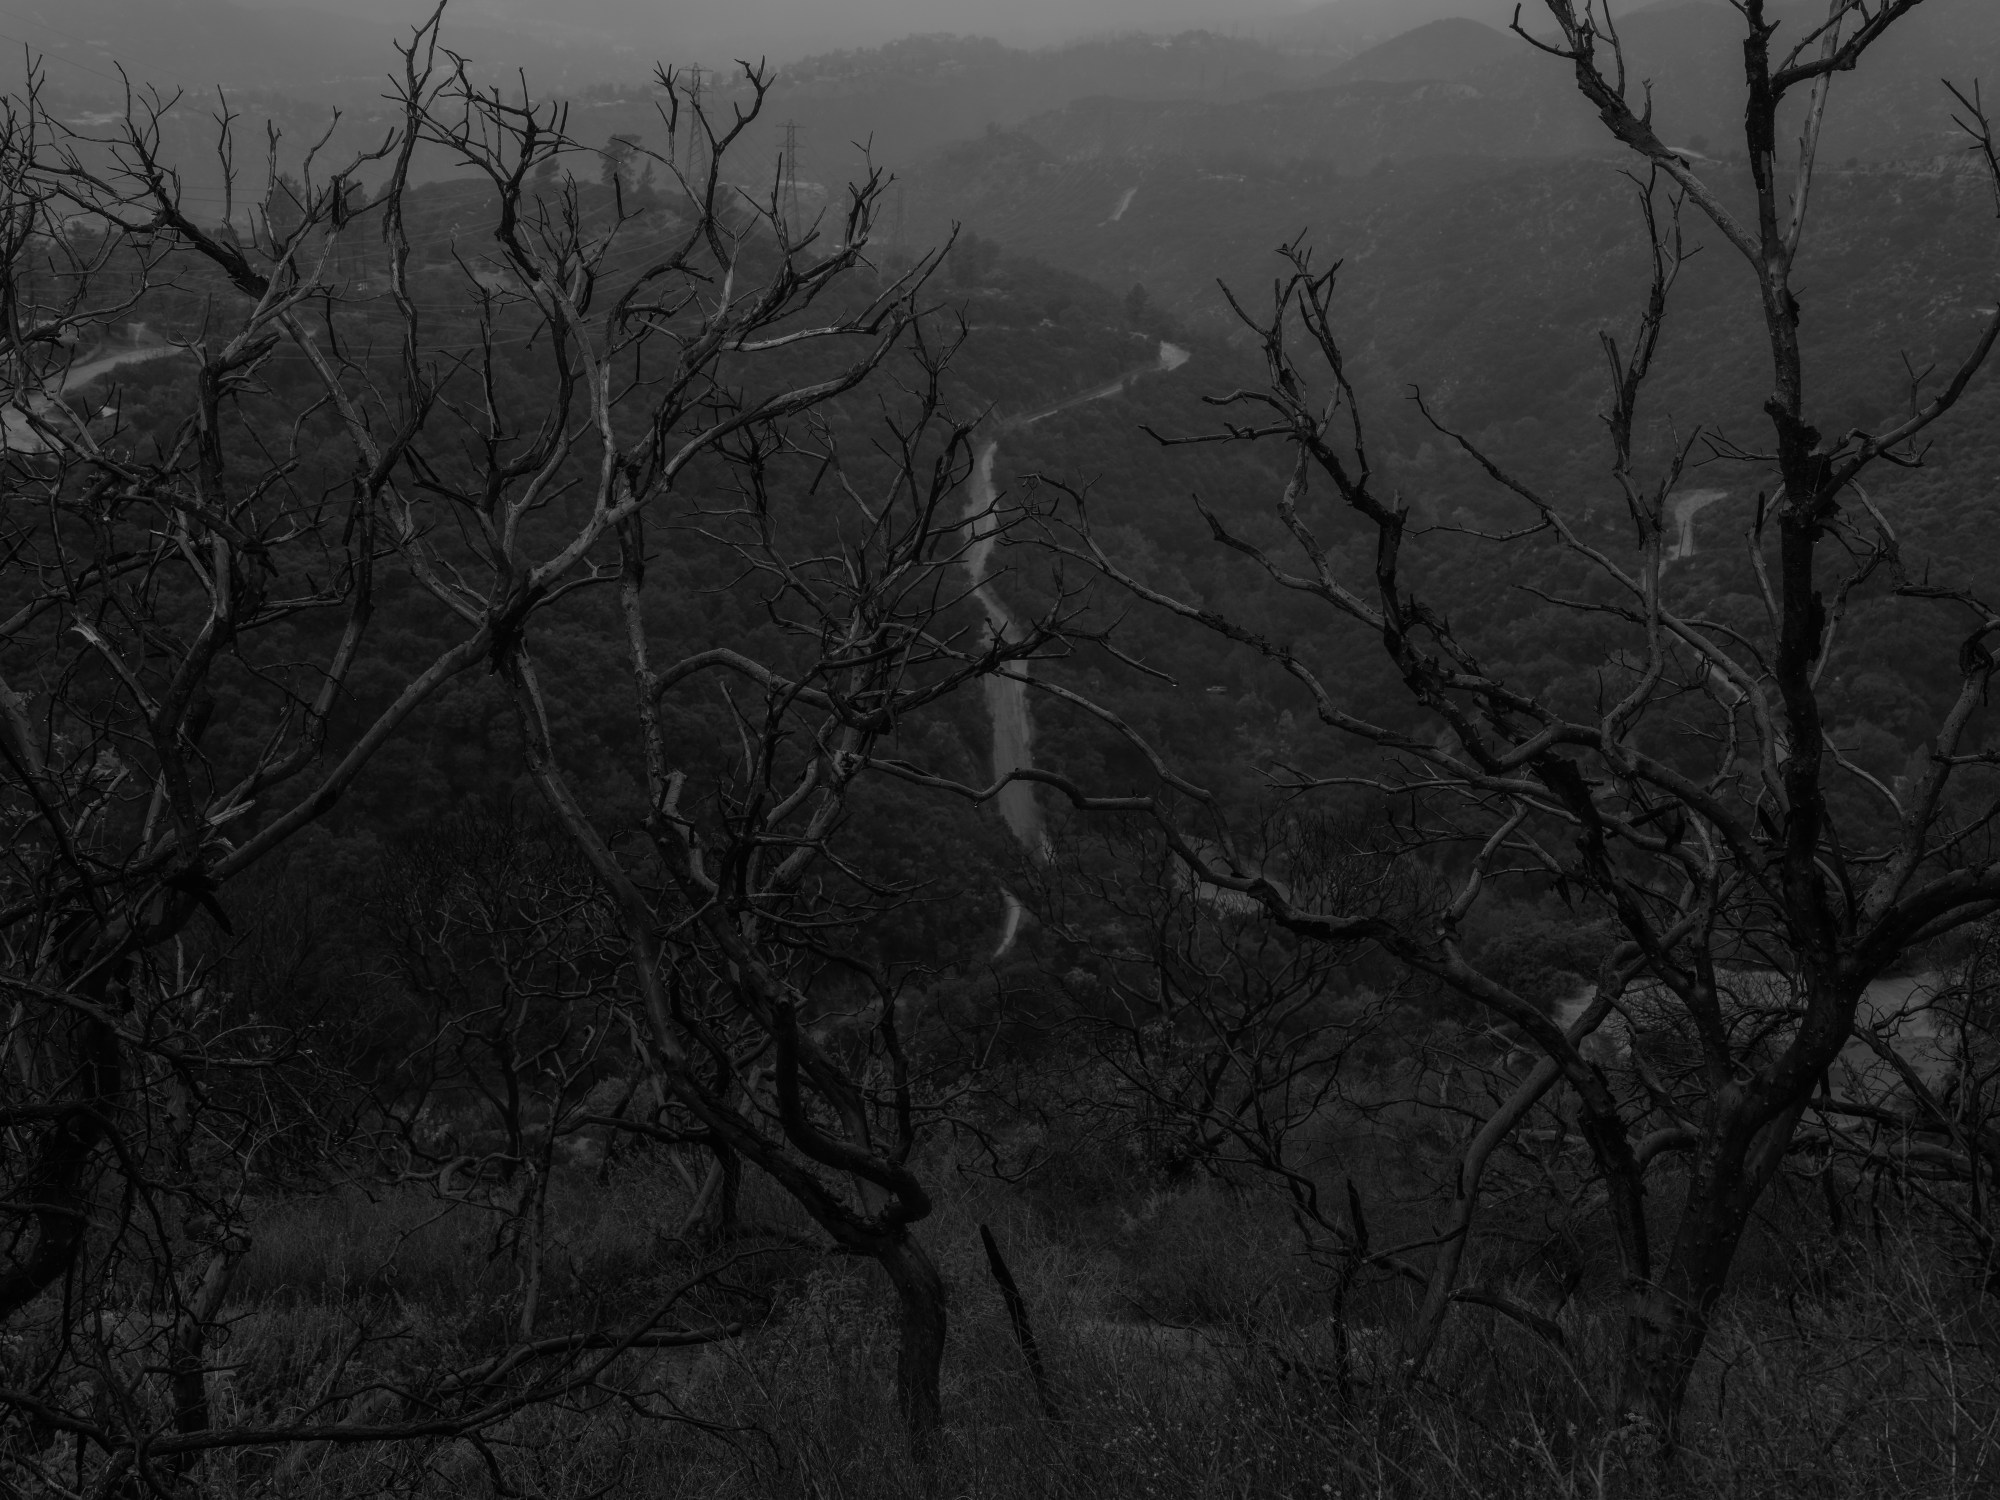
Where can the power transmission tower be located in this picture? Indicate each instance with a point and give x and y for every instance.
(789, 168)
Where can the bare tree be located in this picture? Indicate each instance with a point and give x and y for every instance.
(495, 935)
(674, 412)
(377, 419)
(184, 617)
(773, 1020)
(1761, 878)
(1224, 1039)
(1215, 1041)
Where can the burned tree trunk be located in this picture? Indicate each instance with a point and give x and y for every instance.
(1669, 1319)
(920, 1335)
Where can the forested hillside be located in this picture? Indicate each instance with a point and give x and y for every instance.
(1255, 766)
(1458, 85)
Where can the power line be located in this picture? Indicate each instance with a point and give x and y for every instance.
(44, 55)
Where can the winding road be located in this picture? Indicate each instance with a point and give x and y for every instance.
(1007, 693)
(81, 375)
(17, 431)
(1685, 508)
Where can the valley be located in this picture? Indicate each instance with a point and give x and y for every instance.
(1195, 753)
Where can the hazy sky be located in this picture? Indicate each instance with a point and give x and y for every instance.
(788, 27)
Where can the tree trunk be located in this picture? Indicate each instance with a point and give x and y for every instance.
(56, 1190)
(1444, 1270)
(1664, 1334)
(713, 1216)
(728, 1188)
(1024, 1331)
(1668, 1320)
(54, 1193)
(187, 1369)
(921, 1321)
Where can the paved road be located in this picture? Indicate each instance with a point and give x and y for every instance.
(1007, 696)
(17, 432)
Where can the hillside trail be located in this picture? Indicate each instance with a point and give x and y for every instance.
(1007, 693)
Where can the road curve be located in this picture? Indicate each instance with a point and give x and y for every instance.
(1007, 695)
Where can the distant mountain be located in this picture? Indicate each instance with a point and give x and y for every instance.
(1456, 88)
(1347, 27)
(984, 81)
(1440, 84)
(1173, 194)
(717, 33)
(1445, 49)
(906, 98)
(288, 63)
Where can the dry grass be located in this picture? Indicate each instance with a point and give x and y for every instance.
(1196, 1356)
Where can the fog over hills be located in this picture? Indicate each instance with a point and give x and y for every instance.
(635, 758)
(1457, 86)
(1336, 89)
(1449, 48)
(719, 31)
(1348, 26)
(320, 53)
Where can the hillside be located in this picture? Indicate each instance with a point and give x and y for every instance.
(1459, 88)
(1451, 48)
(903, 99)
(1347, 27)
(738, 842)
(1487, 288)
